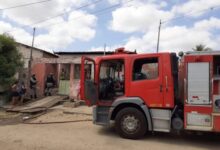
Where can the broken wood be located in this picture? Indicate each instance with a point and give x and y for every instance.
(76, 113)
(38, 106)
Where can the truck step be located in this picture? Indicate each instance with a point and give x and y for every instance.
(162, 130)
(161, 118)
(199, 128)
(102, 113)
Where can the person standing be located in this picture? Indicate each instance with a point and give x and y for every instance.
(50, 83)
(22, 91)
(15, 94)
(33, 86)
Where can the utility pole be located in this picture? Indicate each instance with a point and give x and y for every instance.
(32, 45)
(104, 49)
(158, 37)
(31, 53)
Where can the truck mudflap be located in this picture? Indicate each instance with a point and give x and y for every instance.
(101, 115)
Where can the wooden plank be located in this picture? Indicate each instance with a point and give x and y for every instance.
(33, 110)
(39, 105)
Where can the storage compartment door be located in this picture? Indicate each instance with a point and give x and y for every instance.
(198, 83)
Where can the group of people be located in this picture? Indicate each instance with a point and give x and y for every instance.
(18, 89)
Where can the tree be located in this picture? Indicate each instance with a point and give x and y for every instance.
(201, 47)
(10, 60)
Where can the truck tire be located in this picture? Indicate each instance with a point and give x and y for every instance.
(177, 123)
(131, 123)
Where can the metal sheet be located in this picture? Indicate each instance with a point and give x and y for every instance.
(198, 83)
(161, 119)
(161, 113)
(196, 119)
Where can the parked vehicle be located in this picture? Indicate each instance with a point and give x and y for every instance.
(153, 92)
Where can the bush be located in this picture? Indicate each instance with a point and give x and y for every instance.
(10, 61)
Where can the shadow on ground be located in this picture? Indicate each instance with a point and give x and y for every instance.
(209, 141)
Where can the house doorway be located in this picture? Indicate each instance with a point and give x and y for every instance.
(64, 80)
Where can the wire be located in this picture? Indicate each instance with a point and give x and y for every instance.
(24, 5)
(64, 13)
(105, 9)
(55, 16)
(95, 12)
(183, 16)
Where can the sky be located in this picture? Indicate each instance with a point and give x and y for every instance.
(91, 25)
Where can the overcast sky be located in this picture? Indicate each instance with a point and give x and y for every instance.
(132, 24)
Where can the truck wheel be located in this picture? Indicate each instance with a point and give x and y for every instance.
(130, 123)
(177, 123)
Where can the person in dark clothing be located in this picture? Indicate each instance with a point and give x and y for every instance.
(22, 91)
(49, 84)
(33, 86)
(15, 94)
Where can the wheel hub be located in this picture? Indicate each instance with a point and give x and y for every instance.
(130, 124)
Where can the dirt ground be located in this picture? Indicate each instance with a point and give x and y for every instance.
(86, 136)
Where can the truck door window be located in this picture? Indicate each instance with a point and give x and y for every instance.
(111, 79)
(89, 72)
(145, 69)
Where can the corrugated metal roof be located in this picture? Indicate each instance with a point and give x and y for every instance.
(38, 49)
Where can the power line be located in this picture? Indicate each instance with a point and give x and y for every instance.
(24, 5)
(95, 12)
(103, 10)
(64, 13)
(179, 17)
(61, 14)
(191, 13)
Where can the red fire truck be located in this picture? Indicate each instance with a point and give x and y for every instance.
(153, 92)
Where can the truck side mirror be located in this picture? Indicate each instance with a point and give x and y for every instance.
(217, 103)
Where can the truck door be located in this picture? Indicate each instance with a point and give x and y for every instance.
(147, 80)
(88, 87)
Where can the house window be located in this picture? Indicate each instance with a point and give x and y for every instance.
(77, 71)
(145, 69)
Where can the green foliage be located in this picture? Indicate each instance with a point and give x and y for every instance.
(10, 60)
(200, 48)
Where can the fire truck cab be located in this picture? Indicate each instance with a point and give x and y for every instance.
(153, 92)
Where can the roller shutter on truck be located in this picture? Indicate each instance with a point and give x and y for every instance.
(198, 83)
